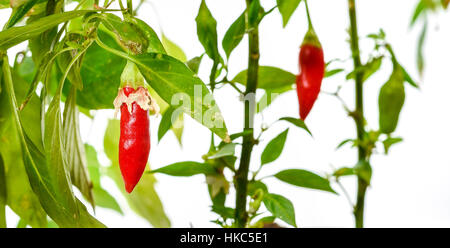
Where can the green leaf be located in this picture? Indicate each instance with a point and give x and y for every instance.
(390, 101)
(16, 35)
(127, 34)
(274, 148)
(270, 78)
(226, 150)
(280, 207)
(74, 148)
(367, 69)
(4, 4)
(286, 8)
(194, 64)
(253, 186)
(408, 78)
(330, 73)
(20, 197)
(47, 172)
(344, 142)
(101, 197)
(154, 44)
(144, 200)
(420, 57)
(364, 171)
(419, 11)
(297, 122)
(389, 141)
(344, 171)
(173, 49)
(224, 212)
(234, 35)
(186, 169)
(169, 77)
(255, 13)
(305, 179)
(2, 193)
(166, 122)
(207, 31)
(100, 89)
(20, 12)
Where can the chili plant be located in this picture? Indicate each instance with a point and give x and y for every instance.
(79, 58)
(390, 102)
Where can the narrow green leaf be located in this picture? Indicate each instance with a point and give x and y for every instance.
(47, 171)
(280, 207)
(368, 69)
(270, 78)
(16, 35)
(20, 12)
(344, 142)
(207, 31)
(389, 141)
(173, 49)
(169, 77)
(101, 197)
(344, 171)
(305, 179)
(274, 148)
(297, 122)
(287, 8)
(330, 73)
(2, 193)
(408, 79)
(194, 64)
(186, 169)
(226, 150)
(390, 101)
(234, 35)
(74, 148)
(154, 44)
(127, 34)
(420, 45)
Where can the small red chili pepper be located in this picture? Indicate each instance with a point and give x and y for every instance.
(134, 143)
(312, 69)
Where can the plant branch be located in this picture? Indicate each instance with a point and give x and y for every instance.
(241, 176)
(359, 111)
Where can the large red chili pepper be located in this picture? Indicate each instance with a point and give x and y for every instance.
(134, 143)
(312, 69)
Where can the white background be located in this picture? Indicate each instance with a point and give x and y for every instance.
(410, 187)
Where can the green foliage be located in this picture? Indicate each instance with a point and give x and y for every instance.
(280, 207)
(46, 170)
(207, 32)
(271, 78)
(274, 148)
(186, 169)
(234, 35)
(101, 197)
(173, 49)
(297, 122)
(305, 179)
(16, 35)
(287, 8)
(74, 148)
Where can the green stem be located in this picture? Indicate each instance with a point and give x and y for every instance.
(307, 14)
(359, 111)
(241, 175)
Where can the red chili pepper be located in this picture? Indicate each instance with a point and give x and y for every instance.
(134, 144)
(134, 102)
(312, 69)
